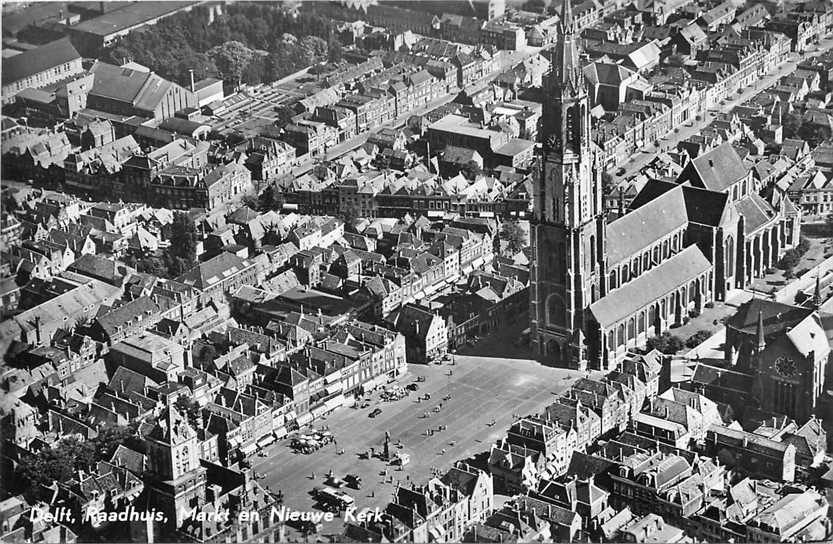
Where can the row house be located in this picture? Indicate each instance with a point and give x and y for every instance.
(389, 346)
(426, 334)
(758, 455)
(581, 496)
(750, 510)
(613, 403)
(515, 469)
(341, 118)
(813, 192)
(310, 138)
(116, 324)
(268, 159)
(372, 109)
(182, 187)
(552, 441)
(667, 484)
(503, 35)
(571, 414)
(56, 257)
(746, 57)
(803, 28)
(120, 170)
(442, 510)
(473, 67)
(250, 418)
(93, 169)
(219, 275)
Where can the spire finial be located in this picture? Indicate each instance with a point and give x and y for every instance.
(760, 332)
(567, 16)
(817, 292)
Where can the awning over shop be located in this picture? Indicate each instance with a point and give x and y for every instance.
(266, 440)
(334, 389)
(280, 433)
(304, 419)
(248, 449)
(334, 403)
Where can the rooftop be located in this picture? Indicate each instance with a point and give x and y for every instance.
(136, 13)
(38, 60)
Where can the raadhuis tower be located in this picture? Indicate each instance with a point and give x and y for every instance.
(567, 228)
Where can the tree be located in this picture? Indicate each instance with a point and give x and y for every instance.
(190, 408)
(231, 59)
(791, 124)
(514, 235)
(471, 169)
(255, 70)
(176, 266)
(285, 115)
(251, 201)
(60, 462)
(184, 238)
(665, 343)
(270, 199)
(334, 49)
(697, 338)
(607, 183)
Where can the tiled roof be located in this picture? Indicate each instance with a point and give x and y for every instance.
(653, 284)
(206, 274)
(38, 60)
(755, 211)
(642, 227)
(718, 169)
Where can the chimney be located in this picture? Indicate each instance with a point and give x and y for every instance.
(191, 73)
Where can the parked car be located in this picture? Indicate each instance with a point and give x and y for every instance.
(353, 481)
(376, 412)
(412, 387)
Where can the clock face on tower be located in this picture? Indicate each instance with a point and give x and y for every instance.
(785, 367)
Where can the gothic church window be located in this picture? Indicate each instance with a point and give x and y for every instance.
(555, 310)
(729, 255)
(592, 252)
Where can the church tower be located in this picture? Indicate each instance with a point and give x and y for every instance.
(567, 229)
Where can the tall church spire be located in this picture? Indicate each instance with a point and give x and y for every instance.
(567, 15)
(760, 332)
(567, 227)
(565, 62)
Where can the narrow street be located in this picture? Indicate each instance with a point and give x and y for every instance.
(641, 158)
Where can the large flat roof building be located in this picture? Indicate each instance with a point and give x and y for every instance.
(94, 34)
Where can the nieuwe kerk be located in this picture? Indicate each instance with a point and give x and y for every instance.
(599, 288)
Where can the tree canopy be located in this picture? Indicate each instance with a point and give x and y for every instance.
(514, 235)
(60, 462)
(665, 343)
(250, 43)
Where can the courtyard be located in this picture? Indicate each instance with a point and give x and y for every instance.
(486, 395)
